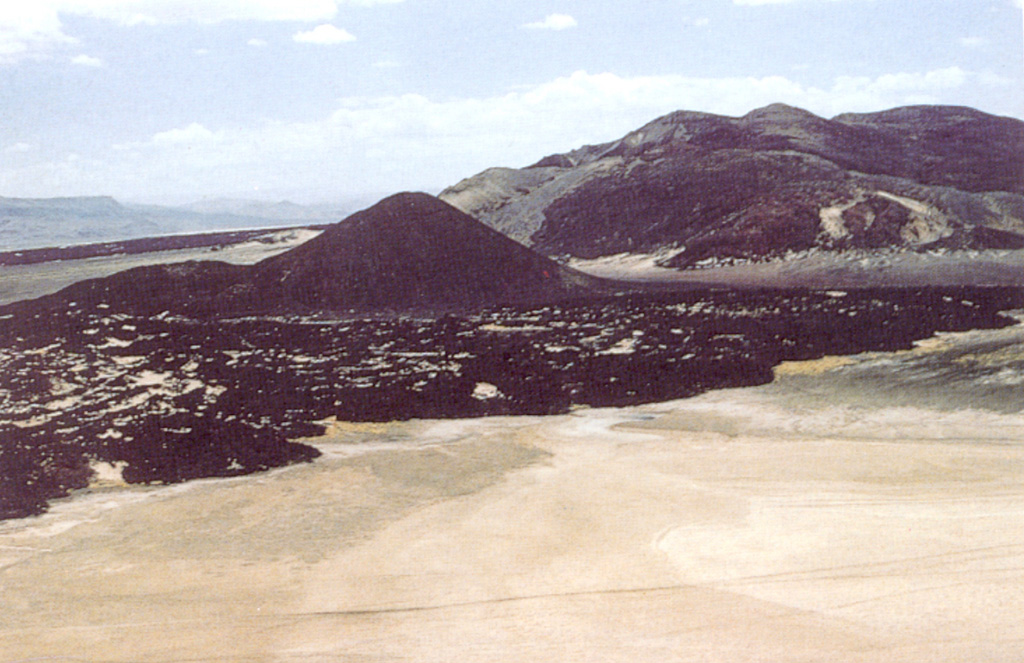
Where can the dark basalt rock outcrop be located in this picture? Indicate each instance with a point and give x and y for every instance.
(776, 180)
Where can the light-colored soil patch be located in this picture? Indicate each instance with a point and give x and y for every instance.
(829, 270)
(743, 525)
(814, 367)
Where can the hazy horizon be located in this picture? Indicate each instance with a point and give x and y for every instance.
(318, 101)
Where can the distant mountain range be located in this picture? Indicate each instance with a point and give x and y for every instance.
(409, 252)
(28, 223)
(700, 187)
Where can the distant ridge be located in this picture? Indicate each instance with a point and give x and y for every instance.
(35, 223)
(701, 186)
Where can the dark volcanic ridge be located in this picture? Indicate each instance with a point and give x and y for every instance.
(702, 187)
(409, 252)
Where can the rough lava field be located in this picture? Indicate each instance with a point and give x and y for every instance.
(169, 398)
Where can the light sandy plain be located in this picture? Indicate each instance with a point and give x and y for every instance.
(825, 269)
(820, 518)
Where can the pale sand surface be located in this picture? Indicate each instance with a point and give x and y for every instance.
(823, 269)
(767, 524)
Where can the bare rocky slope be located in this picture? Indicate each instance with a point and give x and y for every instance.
(706, 187)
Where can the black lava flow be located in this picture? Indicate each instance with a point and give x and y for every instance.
(174, 398)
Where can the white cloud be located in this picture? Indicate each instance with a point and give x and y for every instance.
(87, 61)
(973, 42)
(19, 148)
(28, 30)
(325, 34)
(901, 88)
(553, 22)
(258, 43)
(133, 12)
(410, 141)
(193, 136)
(201, 51)
(31, 29)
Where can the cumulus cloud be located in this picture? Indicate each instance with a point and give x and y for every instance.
(416, 142)
(902, 88)
(133, 12)
(19, 148)
(325, 34)
(258, 43)
(27, 30)
(973, 42)
(553, 22)
(190, 137)
(87, 61)
(32, 29)
(193, 134)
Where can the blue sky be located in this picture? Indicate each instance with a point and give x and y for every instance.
(319, 100)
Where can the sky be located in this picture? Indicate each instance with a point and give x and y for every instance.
(172, 101)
